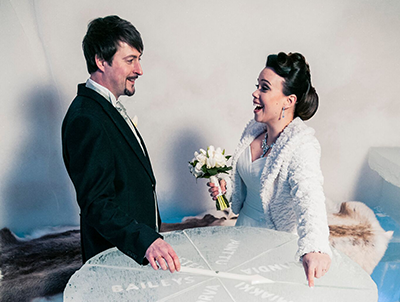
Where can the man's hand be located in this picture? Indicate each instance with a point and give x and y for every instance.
(315, 265)
(161, 252)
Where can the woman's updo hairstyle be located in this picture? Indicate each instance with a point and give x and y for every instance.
(297, 80)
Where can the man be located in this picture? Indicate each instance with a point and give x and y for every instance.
(105, 156)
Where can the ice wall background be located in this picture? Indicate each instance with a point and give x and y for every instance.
(201, 61)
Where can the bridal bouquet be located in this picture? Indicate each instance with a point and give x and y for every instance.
(208, 164)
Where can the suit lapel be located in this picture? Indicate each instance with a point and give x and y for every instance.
(122, 126)
(145, 159)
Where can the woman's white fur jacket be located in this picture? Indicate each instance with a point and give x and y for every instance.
(291, 185)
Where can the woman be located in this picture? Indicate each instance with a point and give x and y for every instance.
(276, 176)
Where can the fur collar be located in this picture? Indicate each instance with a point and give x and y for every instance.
(296, 133)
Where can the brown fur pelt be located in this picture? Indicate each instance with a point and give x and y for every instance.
(355, 231)
(225, 219)
(39, 267)
(42, 267)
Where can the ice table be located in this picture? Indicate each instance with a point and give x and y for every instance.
(239, 251)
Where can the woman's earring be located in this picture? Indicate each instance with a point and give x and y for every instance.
(283, 112)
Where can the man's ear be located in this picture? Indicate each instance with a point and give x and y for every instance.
(100, 62)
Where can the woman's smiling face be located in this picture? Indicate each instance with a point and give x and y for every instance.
(268, 98)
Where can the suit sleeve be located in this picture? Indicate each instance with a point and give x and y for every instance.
(306, 180)
(90, 163)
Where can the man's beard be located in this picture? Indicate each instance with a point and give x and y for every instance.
(129, 93)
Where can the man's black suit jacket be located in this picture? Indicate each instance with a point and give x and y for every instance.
(114, 181)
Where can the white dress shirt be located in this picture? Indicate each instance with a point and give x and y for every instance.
(104, 92)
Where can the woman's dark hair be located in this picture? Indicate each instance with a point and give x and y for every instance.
(103, 37)
(297, 80)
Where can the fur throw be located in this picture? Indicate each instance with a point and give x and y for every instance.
(39, 267)
(42, 267)
(356, 232)
(198, 222)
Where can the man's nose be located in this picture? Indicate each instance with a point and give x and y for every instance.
(138, 68)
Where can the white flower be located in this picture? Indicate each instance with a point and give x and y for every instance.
(211, 151)
(135, 120)
(215, 158)
(198, 167)
(220, 160)
(196, 170)
(210, 163)
(200, 157)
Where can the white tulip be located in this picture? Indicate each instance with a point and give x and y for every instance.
(220, 160)
(211, 151)
(201, 158)
(210, 163)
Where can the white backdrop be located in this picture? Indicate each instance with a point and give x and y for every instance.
(201, 61)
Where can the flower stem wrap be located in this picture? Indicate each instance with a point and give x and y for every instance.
(221, 202)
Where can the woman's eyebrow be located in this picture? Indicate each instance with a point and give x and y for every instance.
(265, 81)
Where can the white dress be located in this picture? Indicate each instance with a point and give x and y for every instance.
(283, 191)
(252, 213)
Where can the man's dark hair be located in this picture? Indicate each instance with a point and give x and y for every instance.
(103, 37)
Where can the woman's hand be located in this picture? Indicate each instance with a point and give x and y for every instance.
(315, 265)
(214, 189)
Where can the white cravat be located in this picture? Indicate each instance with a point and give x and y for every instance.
(104, 92)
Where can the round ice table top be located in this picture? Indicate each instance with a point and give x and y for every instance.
(241, 251)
